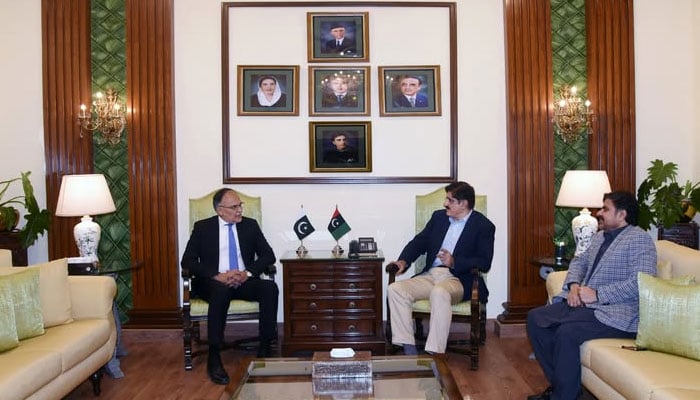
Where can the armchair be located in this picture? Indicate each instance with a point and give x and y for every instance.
(472, 312)
(194, 309)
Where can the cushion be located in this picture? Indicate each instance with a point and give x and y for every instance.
(54, 291)
(8, 327)
(664, 269)
(669, 320)
(23, 287)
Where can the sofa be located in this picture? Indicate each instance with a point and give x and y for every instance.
(56, 331)
(609, 371)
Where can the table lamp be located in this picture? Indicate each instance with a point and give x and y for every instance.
(85, 195)
(583, 188)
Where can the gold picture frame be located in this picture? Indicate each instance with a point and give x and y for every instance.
(268, 90)
(337, 37)
(409, 90)
(344, 146)
(335, 91)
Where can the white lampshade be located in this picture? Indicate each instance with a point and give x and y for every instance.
(85, 195)
(583, 188)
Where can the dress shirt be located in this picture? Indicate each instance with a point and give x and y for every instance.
(223, 247)
(452, 235)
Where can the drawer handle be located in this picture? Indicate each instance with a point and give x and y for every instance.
(352, 304)
(312, 305)
(351, 328)
(312, 286)
(352, 286)
(314, 327)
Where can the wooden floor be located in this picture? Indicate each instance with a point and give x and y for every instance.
(154, 369)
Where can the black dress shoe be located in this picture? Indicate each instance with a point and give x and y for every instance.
(265, 349)
(546, 395)
(216, 371)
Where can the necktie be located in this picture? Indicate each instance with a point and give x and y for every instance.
(337, 43)
(412, 100)
(232, 249)
(340, 99)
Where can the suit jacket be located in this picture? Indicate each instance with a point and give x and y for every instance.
(474, 247)
(347, 47)
(331, 100)
(401, 101)
(201, 255)
(615, 277)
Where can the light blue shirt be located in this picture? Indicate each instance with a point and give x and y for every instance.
(452, 235)
(223, 247)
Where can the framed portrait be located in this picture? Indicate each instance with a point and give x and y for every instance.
(409, 90)
(340, 146)
(339, 91)
(337, 37)
(268, 90)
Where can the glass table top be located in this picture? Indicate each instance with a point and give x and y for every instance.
(393, 377)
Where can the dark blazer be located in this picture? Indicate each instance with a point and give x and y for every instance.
(201, 255)
(347, 47)
(401, 101)
(474, 247)
(331, 100)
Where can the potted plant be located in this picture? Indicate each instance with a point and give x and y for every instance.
(37, 219)
(662, 200)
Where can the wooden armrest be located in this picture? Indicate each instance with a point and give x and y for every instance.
(475, 285)
(392, 269)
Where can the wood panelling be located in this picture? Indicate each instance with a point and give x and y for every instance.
(530, 151)
(65, 26)
(610, 60)
(151, 149)
(610, 47)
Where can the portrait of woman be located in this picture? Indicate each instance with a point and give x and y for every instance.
(269, 93)
(268, 90)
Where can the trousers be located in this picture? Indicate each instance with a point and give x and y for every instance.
(442, 289)
(556, 332)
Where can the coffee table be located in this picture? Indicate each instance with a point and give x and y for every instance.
(394, 377)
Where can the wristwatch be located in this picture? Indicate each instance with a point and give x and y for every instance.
(250, 274)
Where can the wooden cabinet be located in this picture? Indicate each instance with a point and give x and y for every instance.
(683, 233)
(332, 302)
(10, 241)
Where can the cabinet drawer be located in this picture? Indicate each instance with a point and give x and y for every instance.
(301, 327)
(335, 305)
(322, 287)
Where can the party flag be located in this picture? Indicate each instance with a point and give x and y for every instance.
(303, 227)
(338, 227)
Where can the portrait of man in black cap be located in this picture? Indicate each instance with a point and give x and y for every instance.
(340, 43)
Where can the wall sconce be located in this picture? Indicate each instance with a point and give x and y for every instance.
(572, 117)
(106, 115)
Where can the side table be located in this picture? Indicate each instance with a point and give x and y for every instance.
(78, 267)
(549, 264)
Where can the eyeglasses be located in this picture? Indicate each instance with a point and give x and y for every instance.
(233, 207)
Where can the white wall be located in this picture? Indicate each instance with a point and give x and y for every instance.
(21, 109)
(383, 211)
(667, 85)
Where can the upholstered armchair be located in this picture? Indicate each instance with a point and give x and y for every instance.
(472, 312)
(194, 309)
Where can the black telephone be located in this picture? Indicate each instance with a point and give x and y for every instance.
(363, 245)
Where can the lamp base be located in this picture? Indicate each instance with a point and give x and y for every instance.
(87, 236)
(584, 226)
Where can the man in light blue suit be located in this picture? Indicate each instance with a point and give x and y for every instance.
(600, 297)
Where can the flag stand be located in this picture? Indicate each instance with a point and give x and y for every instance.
(337, 250)
(301, 250)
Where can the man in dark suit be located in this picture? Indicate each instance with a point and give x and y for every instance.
(410, 96)
(600, 297)
(227, 253)
(454, 240)
(340, 43)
